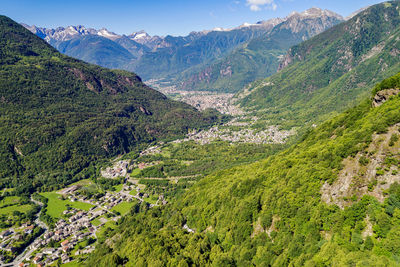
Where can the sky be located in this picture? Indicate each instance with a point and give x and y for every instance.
(163, 17)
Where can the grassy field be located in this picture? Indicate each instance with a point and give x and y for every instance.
(152, 199)
(166, 153)
(123, 207)
(84, 182)
(118, 187)
(96, 222)
(135, 172)
(109, 224)
(20, 208)
(56, 206)
(9, 200)
(5, 190)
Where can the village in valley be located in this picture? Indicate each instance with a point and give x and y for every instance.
(64, 226)
(82, 220)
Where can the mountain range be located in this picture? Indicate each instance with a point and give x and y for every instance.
(220, 59)
(260, 57)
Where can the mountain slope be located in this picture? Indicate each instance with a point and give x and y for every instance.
(260, 57)
(279, 212)
(58, 115)
(97, 50)
(331, 71)
(183, 55)
(135, 48)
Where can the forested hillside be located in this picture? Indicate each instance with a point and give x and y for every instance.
(59, 116)
(331, 71)
(287, 210)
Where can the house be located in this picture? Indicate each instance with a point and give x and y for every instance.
(5, 233)
(37, 259)
(64, 243)
(65, 258)
(48, 251)
(66, 248)
(18, 237)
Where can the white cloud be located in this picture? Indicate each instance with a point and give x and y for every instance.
(256, 5)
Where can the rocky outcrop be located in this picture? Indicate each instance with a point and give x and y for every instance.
(383, 95)
(286, 61)
(370, 172)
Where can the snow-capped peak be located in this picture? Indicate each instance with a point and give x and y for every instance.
(140, 35)
(314, 12)
(107, 34)
(219, 29)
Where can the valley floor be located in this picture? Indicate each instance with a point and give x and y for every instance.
(72, 220)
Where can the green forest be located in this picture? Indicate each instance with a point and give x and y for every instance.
(60, 116)
(270, 213)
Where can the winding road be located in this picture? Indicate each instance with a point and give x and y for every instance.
(27, 252)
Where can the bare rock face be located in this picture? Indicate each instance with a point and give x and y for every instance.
(370, 172)
(286, 61)
(382, 96)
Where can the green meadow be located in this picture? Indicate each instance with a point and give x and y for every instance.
(56, 205)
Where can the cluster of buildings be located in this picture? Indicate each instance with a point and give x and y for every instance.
(59, 244)
(151, 150)
(76, 228)
(205, 99)
(69, 233)
(119, 169)
(272, 135)
(11, 236)
(108, 201)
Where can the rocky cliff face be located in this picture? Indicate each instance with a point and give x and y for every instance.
(382, 96)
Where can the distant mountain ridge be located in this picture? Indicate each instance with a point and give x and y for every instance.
(260, 57)
(142, 37)
(155, 57)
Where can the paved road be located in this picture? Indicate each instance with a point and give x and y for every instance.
(27, 252)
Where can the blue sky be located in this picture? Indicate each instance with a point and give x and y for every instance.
(162, 17)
